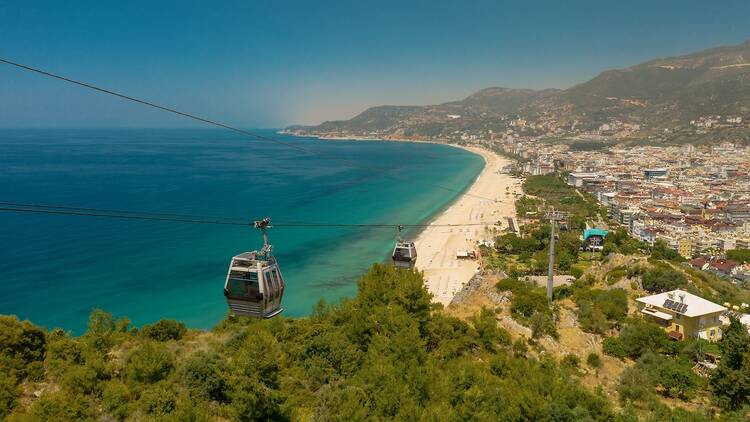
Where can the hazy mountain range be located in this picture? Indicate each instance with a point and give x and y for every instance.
(698, 96)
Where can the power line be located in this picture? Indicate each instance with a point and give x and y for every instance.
(211, 122)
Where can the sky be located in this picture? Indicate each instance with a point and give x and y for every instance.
(271, 63)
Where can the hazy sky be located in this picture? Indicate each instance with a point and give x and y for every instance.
(272, 63)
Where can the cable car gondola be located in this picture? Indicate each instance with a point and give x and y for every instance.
(404, 253)
(254, 285)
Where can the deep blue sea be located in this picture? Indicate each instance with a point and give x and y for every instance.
(55, 269)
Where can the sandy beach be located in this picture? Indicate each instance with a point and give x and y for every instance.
(486, 204)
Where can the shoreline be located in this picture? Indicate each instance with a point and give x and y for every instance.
(482, 204)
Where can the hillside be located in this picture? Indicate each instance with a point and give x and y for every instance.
(386, 354)
(666, 99)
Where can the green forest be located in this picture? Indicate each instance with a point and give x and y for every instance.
(388, 353)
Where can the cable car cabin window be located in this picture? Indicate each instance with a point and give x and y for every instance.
(277, 277)
(243, 284)
(236, 287)
(268, 283)
(271, 283)
(402, 253)
(279, 283)
(273, 286)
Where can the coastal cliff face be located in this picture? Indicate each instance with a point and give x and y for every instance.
(699, 97)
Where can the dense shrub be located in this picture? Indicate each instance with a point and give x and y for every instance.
(149, 363)
(670, 376)
(594, 360)
(520, 348)
(8, 394)
(101, 327)
(529, 302)
(541, 323)
(620, 242)
(60, 406)
(635, 270)
(677, 378)
(613, 346)
(158, 399)
(660, 250)
(81, 380)
(21, 343)
(510, 284)
(510, 243)
(115, 399)
(252, 401)
(204, 374)
(62, 353)
(571, 361)
(163, 330)
(635, 385)
(592, 319)
(662, 278)
(598, 308)
(639, 336)
(490, 334)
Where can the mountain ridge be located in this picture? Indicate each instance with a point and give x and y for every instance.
(702, 97)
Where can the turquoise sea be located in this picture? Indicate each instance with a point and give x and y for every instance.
(55, 269)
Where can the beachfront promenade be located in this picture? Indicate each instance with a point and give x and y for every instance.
(445, 274)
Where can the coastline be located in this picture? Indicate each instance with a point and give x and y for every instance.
(483, 204)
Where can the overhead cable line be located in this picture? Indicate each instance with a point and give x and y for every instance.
(150, 104)
(116, 211)
(212, 122)
(390, 226)
(120, 216)
(184, 218)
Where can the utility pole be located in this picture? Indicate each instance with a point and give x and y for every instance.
(553, 217)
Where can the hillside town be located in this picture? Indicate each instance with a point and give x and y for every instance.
(694, 198)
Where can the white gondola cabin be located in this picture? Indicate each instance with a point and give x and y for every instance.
(254, 285)
(404, 255)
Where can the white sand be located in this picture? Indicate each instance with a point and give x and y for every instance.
(484, 203)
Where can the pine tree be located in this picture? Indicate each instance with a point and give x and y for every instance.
(731, 381)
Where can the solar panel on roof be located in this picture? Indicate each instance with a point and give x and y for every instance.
(682, 308)
(669, 304)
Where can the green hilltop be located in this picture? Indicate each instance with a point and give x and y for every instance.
(388, 353)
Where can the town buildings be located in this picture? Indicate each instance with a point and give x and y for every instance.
(696, 199)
